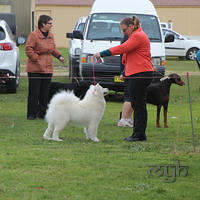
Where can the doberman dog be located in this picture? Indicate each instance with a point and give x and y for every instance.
(158, 94)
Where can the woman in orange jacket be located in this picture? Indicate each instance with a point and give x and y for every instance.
(138, 70)
(40, 47)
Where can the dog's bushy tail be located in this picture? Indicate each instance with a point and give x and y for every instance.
(60, 100)
(63, 97)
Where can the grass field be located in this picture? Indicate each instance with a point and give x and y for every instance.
(76, 169)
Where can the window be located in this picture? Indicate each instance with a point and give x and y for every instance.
(2, 34)
(81, 27)
(166, 32)
(107, 26)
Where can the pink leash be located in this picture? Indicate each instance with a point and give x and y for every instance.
(93, 68)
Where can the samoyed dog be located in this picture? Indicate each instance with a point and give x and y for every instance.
(66, 108)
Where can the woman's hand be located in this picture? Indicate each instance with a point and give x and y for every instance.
(121, 77)
(97, 55)
(155, 69)
(62, 59)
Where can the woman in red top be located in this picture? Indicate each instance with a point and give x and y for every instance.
(138, 70)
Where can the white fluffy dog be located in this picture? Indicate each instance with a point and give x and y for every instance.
(65, 107)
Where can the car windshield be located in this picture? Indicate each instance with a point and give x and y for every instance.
(106, 26)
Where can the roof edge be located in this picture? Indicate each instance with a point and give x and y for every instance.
(172, 3)
(65, 2)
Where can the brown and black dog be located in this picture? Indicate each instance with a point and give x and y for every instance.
(158, 94)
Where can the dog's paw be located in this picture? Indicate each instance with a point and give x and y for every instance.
(57, 139)
(87, 138)
(95, 139)
(47, 138)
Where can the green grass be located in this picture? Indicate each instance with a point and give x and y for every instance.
(76, 169)
(181, 66)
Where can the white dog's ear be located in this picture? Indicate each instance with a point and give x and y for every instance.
(97, 85)
(96, 89)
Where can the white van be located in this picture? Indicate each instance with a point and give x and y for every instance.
(75, 49)
(102, 31)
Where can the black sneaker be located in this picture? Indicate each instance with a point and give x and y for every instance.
(31, 117)
(135, 139)
(41, 116)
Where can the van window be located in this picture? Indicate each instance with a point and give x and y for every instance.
(80, 27)
(104, 26)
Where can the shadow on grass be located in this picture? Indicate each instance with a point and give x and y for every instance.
(3, 89)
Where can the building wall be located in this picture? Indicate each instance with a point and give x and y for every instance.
(185, 19)
(64, 19)
(6, 6)
(5, 9)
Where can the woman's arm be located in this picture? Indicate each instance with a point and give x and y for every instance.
(132, 43)
(30, 48)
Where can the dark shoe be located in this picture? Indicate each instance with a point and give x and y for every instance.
(41, 116)
(135, 139)
(31, 117)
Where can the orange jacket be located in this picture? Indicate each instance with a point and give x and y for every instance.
(136, 53)
(39, 51)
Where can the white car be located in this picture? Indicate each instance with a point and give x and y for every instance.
(9, 58)
(182, 46)
(75, 49)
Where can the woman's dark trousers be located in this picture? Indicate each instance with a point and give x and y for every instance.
(38, 90)
(138, 84)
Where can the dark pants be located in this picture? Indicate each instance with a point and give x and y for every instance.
(137, 85)
(126, 91)
(38, 90)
